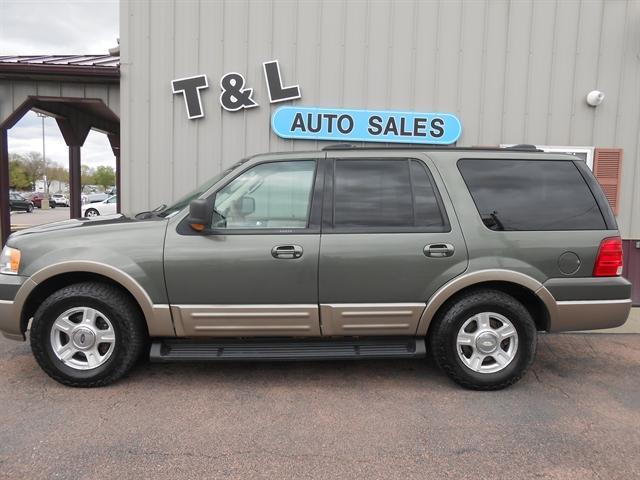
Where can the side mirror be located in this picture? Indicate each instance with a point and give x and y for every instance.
(200, 214)
(248, 205)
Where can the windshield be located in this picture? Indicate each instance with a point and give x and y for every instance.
(186, 200)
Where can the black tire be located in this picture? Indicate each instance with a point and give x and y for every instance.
(444, 331)
(91, 212)
(53, 204)
(130, 333)
(29, 208)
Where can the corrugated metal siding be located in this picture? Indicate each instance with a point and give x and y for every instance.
(513, 71)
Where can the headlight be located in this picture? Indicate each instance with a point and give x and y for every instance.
(10, 260)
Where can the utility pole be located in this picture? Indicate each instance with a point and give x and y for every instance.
(45, 198)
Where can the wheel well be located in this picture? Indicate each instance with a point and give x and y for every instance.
(528, 298)
(50, 285)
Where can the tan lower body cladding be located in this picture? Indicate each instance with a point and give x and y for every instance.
(391, 319)
(354, 319)
(246, 320)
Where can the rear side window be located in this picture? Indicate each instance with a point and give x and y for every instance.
(531, 195)
(385, 195)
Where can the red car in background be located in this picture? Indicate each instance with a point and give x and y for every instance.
(37, 197)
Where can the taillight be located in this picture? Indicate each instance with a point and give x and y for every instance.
(609, 260)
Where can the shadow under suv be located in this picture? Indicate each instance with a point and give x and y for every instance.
(347, 253)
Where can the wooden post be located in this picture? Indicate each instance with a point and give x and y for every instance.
(75, 182)
(114, 140)
(5, 220)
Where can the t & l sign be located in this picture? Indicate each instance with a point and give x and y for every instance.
(234, 95)
(320, 123)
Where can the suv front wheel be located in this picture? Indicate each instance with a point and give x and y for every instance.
(87, 334)
(485, 340)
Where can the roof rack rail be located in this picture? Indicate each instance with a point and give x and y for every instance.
(339, 146)
(524, 146)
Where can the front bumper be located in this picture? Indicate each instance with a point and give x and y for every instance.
(10, 321)
(11, 306)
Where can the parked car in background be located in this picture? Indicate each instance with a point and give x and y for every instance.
(37, 197)
(18, 202)
(97, 197)
(106, 207)
(60, 199)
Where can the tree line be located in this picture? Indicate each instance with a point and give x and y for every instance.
(26, 169)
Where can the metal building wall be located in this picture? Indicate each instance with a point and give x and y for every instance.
(513, 71)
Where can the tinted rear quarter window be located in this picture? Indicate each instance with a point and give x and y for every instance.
(531, 195)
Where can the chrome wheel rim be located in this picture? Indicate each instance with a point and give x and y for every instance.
(487, 342)
(83, 338)
(92, 213)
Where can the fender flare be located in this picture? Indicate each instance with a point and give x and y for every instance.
(157, 316)
(481, 276)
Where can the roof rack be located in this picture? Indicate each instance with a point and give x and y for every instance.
(524, 147)
(339, 146)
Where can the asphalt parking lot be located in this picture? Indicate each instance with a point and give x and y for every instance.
(39, 217)
(575, 415)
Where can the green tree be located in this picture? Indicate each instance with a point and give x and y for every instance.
(57, 172)
(33, 167)
(105, 176)
(86, 175)
(17, 176)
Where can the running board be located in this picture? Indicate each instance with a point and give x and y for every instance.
(173, 350)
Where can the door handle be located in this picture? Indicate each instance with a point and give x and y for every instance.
(439, 250)
(286, 251)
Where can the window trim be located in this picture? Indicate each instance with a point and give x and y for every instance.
(313, 217)
(328, 217)
(575, 162)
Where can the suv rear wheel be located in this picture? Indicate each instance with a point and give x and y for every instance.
(485, 340)
(87, 335)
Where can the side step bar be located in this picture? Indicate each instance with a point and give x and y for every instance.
(179, 350)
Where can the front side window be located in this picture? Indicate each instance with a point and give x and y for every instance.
(269, 195)
(385, 195)
(531, 195)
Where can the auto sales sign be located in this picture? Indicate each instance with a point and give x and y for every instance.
(365, 125)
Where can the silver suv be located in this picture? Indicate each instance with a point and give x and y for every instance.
(347, 253)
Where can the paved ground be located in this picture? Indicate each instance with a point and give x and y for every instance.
(39, 217)
(576, 415)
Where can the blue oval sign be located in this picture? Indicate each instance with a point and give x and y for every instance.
(365, 125)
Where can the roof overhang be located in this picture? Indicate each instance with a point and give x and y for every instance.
(61, 73)
(61, 68)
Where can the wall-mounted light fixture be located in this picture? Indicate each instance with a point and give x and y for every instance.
(595, 98)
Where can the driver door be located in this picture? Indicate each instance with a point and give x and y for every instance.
(256, 272)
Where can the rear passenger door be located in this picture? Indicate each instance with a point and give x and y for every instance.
(390, 239)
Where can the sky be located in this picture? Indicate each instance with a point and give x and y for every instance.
(29, 27)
